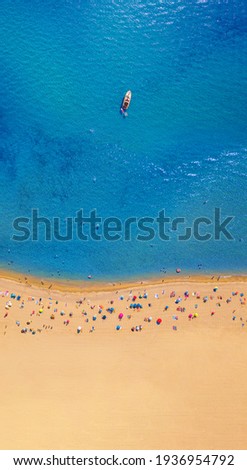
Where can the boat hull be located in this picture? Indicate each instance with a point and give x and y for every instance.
(126, 100)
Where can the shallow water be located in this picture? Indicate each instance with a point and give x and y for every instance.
(65, 66)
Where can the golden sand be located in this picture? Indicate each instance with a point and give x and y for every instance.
(158, 388)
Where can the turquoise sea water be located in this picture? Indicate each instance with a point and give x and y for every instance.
(65, 66)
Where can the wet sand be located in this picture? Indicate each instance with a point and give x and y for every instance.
(180, 384)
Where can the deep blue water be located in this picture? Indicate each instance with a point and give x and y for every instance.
(65, 66)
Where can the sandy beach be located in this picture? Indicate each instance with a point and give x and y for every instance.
(158, 365)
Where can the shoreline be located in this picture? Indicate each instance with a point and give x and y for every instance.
(91, 285)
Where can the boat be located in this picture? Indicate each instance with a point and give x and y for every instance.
(126, 101)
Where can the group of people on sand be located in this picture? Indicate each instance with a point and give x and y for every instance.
(125, 309)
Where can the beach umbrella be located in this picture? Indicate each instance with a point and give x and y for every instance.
(120, 316)
(215, 289)
(195, 315)
(94, 318)
(178, 270)
(118, 327)
(78, 329)
(103, 317)
(110, 310)
(190, 316)
(159, 321)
